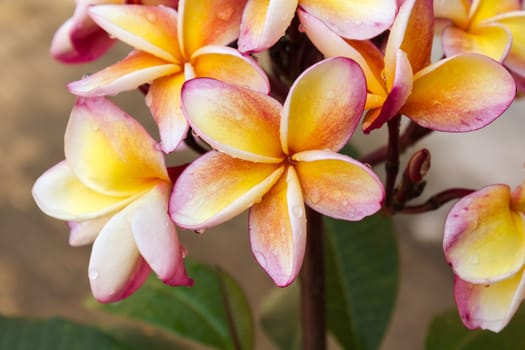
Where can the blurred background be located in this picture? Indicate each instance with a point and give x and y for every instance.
(40, 275)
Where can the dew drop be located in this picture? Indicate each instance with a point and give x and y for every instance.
(297, 211)
(151, 17)
(200, 231)
(225, 14)
(474, 260)
(261, 259)
(95, 128)
(315, 197)
(93, 275)
(183, 251)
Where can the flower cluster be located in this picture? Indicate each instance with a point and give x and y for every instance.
(194, 61)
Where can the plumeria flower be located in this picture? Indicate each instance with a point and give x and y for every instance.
(275, 158)
(492, 28)
(170, 48)
(80, 40)
(484, 242)
(113, 188)
(457, 94)
(264, 22)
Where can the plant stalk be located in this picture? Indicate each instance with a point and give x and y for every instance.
(312, 286)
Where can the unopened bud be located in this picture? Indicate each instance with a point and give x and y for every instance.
(418, 166)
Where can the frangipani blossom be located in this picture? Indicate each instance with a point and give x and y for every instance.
(171, 48)
(274, 159)
(113, 188)
(264, 22)
(80, 40)
(492, 28)
(484, 243)
(457, 94)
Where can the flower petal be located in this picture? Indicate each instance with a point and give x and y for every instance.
(73, 44)
(156, 236)
(109, 151)
(337, 185)
(366, 54)
(163, 100)
(482, 10)
(208, 22)
(264, 22)
(136, 69)
(411, 32)
(353, 19)
(60, 194)
(217, 187)
(278, 230)
(233, 119)
(85, 232)
(515, 23)
(116, 268)
(492, 40)
(396, 98)
(459, 94)
(228, 65)
(323, 107)
(152, 29)
(484, 239)
(455, 10)
(489, 306)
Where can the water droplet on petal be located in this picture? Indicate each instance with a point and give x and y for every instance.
(297, 211)
(200, 231)
(183, 251)
(474, 260)
(315, 197)
(151, 17)
(225, 14)
(93, 275)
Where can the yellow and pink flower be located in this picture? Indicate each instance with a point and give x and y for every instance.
(484, 243)
(170, 48)
(457, 94)
(276, 158)
(113, 189)
(264, 22)
(492, 28)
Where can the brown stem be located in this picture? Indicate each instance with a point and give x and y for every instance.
(412, 134)
(437, 200)
(312, 286)
(392, 160)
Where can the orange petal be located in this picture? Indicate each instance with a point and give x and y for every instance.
(459, 94)
(228, 65)
(207, 22)
(278, 230)
(264, 22)
(366, 54)
(482, 10)
(217, 187)
(492, 40)
(60, 194)
(484, 239)
(397, 96)
(489, 306)
(324, 106)
(109, 151)
(235, 120)
(515, 23)
(136, 69)
(337, 185)
(411, 32)
(353, 19)
(163, 100)
(152, 29)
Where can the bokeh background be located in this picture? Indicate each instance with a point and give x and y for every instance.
(40, 275)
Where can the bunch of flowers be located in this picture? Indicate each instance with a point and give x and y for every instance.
(270, 137)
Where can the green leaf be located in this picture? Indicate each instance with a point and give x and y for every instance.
(53, 334)
(362, 272)
(280, 317)
(214, 312)
(447, 332)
